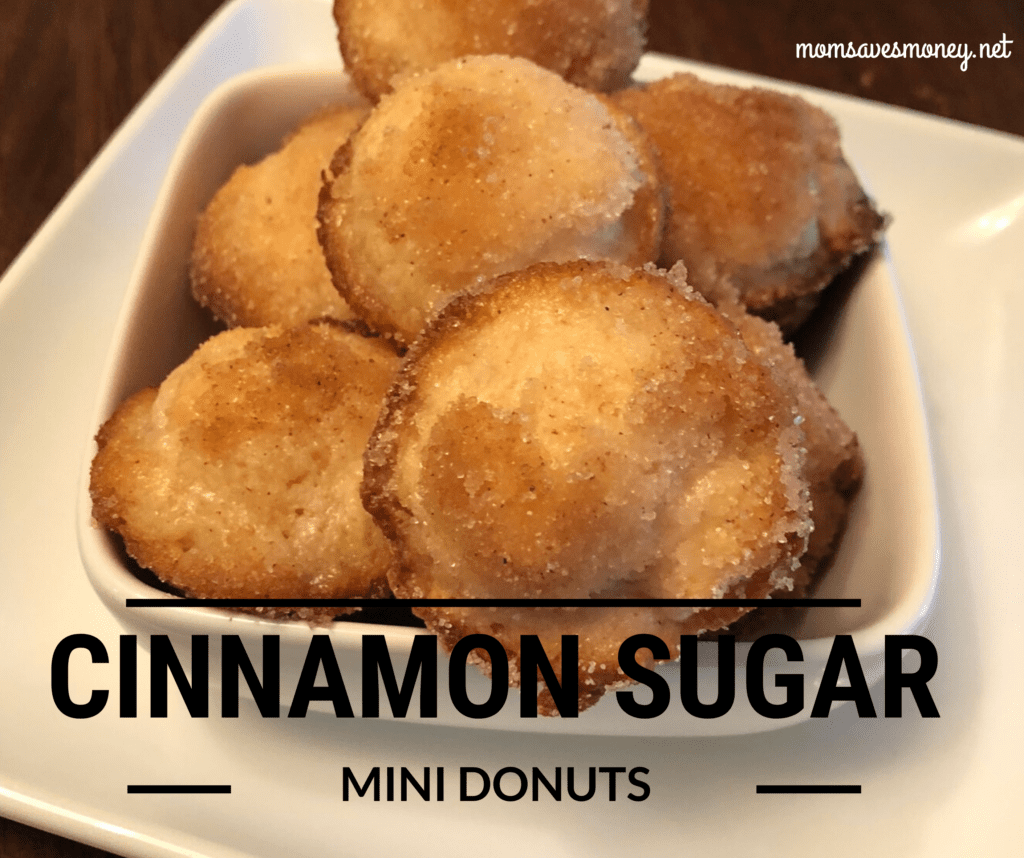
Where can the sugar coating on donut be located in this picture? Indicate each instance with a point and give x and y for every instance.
(592, 43)
(479, 167)
(760, 194)
(587, 430)
(256, 259)
(239, 477)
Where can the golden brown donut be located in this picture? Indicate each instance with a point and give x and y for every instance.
(593, 43)
(760, 195)
(482, 166)
(833, 466)
(586, 430)
(256, 259)
(239, 477)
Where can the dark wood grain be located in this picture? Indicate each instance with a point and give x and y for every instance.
(20, 841)
(762, 38)
(70, 71)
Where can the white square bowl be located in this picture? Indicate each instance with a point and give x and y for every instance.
(888, 558)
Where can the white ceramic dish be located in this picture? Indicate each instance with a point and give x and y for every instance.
(888, 560)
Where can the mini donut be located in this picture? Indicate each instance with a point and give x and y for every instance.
(256, 259)
(586, 430)
(759, 192)
(834, 465)
(593, 43)
(239, 477)
(482, 166)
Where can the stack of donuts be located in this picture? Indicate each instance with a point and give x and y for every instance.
(512, 326)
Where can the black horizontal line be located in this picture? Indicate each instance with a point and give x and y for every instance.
(808, 789)
(178, 789)
(491, 603)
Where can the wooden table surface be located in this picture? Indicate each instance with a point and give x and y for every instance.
(70, 70)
